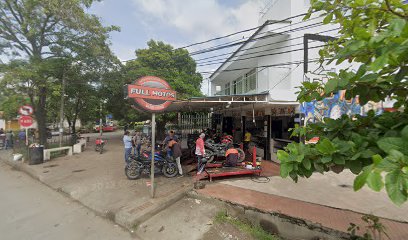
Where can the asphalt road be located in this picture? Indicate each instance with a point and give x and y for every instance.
(31, 210)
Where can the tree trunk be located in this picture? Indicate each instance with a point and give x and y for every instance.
(73, 131)
(41, 115)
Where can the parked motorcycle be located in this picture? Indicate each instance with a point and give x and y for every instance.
(213, 149)
(142, 165)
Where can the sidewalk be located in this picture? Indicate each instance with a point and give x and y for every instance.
(314, 201)
(98, 182)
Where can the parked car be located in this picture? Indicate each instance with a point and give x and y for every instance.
(105, 128)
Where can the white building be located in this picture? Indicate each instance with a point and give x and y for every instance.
(278, 42)
(273, 62)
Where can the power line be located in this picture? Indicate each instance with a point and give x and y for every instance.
(217, 38)
(246, 30)
(254, 39)
(264, 33)
(266, 66)
(269, 44)
(271, 54)
(284, 77)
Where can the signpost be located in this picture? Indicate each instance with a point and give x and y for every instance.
(26, 120)
(26, 110)
(154, 95)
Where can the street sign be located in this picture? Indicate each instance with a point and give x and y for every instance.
(26, 110)
(26, 121)
(151, 93)
(154, 95)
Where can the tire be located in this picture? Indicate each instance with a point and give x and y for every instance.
(209, 155)
(97, 148)
(101, 149)
(241, 155)
(133, 170)
(170, 170)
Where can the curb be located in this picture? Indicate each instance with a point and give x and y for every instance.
(244, 212)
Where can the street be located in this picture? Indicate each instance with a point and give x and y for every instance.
(31, 210)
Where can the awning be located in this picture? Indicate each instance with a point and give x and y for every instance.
(215, 103)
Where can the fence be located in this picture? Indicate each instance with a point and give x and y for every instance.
(194, 123)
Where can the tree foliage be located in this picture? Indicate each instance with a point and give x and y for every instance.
(161, 60)
(373, 37)
(40, 32)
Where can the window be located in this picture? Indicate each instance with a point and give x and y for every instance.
(250, 81)
(239, 87)
(227, 89)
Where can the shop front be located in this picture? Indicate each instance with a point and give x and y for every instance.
(267, 121)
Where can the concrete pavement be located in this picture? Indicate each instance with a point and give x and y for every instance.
(332, 190)
(30, 210)
(99, 183)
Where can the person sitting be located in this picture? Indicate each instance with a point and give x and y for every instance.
(231, 157)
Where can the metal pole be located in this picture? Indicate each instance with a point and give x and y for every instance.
(61, 124)
(100, 120)
(26, 138)
(153, 150)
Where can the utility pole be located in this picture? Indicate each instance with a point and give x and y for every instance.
(61, 124)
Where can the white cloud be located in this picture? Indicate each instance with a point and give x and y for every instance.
(202, 19)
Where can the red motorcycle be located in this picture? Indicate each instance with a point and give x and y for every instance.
(99, 144)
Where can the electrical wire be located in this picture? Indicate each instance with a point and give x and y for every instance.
(254, 39)
(280, 81)
(257, 179)
(259, 56)
(266, 66)
(269, 44)
(264, 33)
(242, 31)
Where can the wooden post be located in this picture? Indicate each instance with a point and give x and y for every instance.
(153, 150)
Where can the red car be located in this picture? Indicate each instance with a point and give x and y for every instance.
(106, 128)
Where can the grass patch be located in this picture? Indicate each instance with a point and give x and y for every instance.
(255, 231)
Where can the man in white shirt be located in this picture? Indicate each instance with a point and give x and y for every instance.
(127, 140)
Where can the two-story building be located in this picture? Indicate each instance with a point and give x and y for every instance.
(273, 62)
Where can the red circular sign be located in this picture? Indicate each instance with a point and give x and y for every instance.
(152, 93)
(25, 121)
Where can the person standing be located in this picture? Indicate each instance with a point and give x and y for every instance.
(247, 140)
(127, 141)
(199, 150)
(169, 137)
(9, 139)
(176, 149)
(137, 140)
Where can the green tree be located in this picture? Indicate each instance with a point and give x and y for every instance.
(161, 60)
(40, 31)
(374, 37)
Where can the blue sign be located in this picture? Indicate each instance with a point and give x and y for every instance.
(109, 116)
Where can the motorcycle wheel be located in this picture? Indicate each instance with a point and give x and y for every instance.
(97, 148)
(170, 170)
(241, 155)
(209, 155)
(101, 149)
(133, 170)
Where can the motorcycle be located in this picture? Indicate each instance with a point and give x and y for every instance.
(213, 150)
(99, 144)
(142, 165)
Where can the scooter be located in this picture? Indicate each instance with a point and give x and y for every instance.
(99, 144)
(142, 165)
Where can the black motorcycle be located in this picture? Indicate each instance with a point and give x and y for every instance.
(213, 150)
(142, 165)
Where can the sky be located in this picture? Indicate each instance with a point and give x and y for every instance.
(177, 22)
